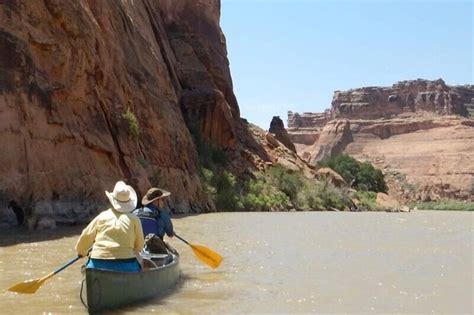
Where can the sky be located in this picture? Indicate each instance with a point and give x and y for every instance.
(291, 55)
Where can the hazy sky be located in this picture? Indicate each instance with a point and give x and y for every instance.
(293, 54)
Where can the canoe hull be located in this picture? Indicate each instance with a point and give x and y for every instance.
(109, 289)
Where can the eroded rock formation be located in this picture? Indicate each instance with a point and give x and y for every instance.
(278, 129)
(420, 133)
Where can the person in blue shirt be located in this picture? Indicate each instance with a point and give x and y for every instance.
(154, 219)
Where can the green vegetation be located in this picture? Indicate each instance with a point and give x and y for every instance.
(143, 162)
(219, 184)
(132, 124)
(278, 188)
(457, 205)
(210, 156)
(367, 200)
(261, 195)
(222, 188)
(404, 184)
(362, 176)
(287, 182)
(316, 195)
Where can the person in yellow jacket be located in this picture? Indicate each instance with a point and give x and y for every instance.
(115, 235)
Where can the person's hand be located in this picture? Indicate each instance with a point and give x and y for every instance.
(87, 254)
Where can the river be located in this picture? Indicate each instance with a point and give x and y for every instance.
(298, 262)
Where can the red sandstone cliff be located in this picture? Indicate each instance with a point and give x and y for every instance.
(421, 133)
(69, 70)
(76, 75)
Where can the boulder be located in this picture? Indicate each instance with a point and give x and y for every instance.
(331, 175)
(387, 202)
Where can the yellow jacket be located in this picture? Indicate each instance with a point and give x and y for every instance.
(114, 235)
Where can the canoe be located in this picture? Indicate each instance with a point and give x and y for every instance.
(108, 289)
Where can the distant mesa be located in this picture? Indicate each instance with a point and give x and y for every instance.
(419, 132)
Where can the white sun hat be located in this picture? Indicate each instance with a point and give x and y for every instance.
(123, 198)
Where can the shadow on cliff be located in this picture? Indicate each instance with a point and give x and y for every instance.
(17, 235)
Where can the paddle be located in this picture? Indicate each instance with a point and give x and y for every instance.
(204, 254)
(30, 286)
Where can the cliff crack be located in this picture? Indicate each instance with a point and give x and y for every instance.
(160, 39)
(121, 160)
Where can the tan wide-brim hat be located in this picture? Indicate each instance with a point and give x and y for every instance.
(123, 198)
(153, 194)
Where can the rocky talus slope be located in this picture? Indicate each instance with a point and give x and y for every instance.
(421, 133)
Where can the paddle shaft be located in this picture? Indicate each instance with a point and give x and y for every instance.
(182, 239)
(69, 263)
(31, 286)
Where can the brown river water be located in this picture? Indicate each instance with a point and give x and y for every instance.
(299, 262)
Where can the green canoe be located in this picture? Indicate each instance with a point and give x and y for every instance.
(110, 289)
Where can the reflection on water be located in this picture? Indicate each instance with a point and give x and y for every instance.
(278, 262)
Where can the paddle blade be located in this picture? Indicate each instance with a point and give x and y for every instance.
(27, 287)
(207, 256)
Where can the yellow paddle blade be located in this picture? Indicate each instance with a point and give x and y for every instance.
(29, 286)
(207, 256)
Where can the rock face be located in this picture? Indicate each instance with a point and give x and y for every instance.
(278, 129)
(303, 127)
(420, 133)
(329, 174)
(402, 97)
(262, 150)
(70, 70)
(334, 137)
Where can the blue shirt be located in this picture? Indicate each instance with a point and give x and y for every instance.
(154, 220)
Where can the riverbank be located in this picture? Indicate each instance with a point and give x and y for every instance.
(447, 205)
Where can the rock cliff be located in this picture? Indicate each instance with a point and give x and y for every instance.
(96, 91)
(419, 132)
(402, 97)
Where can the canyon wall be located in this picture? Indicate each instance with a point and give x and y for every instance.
(92, 92)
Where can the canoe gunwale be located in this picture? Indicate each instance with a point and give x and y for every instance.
(160, 268)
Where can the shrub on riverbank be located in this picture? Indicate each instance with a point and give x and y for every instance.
(261, 195)
(316, 195)
(456, 205)
(361, 176)
(301, 193)
(275, 190)
(222, 188)
(288, 182)
(367, 200)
